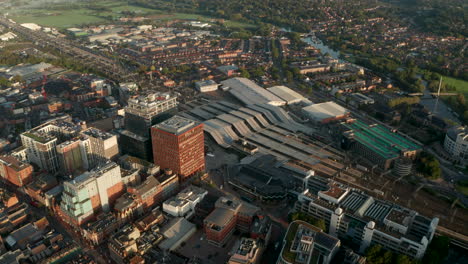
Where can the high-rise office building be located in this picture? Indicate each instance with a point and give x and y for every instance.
(140, 114)
(90, 193)
(178, 144)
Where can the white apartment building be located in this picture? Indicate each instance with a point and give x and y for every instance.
(456, 143)
(353, 215)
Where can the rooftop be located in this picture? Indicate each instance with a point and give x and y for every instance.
(97, 133)
(325, 110)
(250, 93)
(176, 125)
(380, 139)
(14, 163)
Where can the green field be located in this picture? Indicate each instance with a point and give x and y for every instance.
(460, 85)
(61, 16)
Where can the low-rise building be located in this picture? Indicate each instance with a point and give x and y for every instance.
(377, 143)
(123, 244)
(15, 171)
(351, 214)
(206, 86)
(228, 215)
(246, 251)
(183, 204)
(175, 232)
(305, 243)
(325, 112)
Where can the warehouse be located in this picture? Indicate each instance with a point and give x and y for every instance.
(250, 93)
(287, 94)
(325, 112)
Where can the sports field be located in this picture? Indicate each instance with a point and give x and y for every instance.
(63, 16)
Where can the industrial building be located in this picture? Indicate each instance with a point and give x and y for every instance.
(271, 130)
(364, 220)
(305, 243)
(249, 92)
(260, 179)
(287, 94)
(325, 112)
(141, 113)
(206, 86)
(377, 143)
(178, 144)
(456, 143)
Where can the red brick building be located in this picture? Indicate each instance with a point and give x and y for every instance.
(15, 171)
(228, 215)
(178, 144)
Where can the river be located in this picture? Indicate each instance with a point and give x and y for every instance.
(317, 43)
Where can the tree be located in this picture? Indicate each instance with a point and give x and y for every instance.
(437, 250)
(289, 76)
(429, 166)
(244, 73)
(403, 259)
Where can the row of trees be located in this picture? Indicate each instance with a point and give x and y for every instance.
(403, 100)
(429, 166)
(378, 255)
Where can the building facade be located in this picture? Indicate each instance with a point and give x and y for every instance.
(14, 171)
(73, 156)
(351, 214)
(140, 114)
(228, 215)
(90, 193)
(304, 242)
(178, 144)
(102, 146)
(183, 204)
(456, 143)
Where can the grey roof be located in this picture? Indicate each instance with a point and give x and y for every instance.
(325, 110)
(251, 93)
(287, 94)
(219, 217)
(176, 230)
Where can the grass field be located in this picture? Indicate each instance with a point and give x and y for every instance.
(61, 17)
(460, 85)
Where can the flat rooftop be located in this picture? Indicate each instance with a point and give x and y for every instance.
(325, 110)
(176, 125)
(380, 139)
